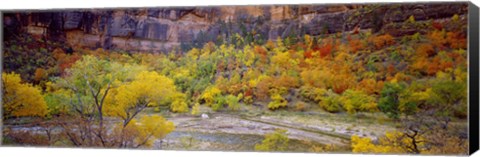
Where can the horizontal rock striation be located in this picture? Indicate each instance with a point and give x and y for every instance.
(161, 29)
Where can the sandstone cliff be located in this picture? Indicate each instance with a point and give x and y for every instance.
(160, 29)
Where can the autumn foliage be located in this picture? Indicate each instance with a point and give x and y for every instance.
(381, 41)
(21, 99)
(110, 98)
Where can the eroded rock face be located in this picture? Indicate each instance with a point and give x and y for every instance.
(161, 29)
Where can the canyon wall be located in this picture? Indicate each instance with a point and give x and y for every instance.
(161, 29)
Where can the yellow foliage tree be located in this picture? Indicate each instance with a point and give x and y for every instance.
(196, 109)
(394, 142)
(148, 89)
(308, 41)
(142, 133)
(277, 102)
(250, 56)
(21, 99)
(209, 95)
(179, 103)
(283, 62)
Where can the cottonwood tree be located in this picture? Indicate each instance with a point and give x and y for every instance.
(392, 142)
(130, 99)
(390, 99)
(142, 132)
(21, 99)
(147, 89)
(99, 88)
(89, 80)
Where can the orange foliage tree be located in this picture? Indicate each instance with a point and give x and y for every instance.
(381, 41)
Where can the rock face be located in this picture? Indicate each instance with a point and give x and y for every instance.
(161, 29)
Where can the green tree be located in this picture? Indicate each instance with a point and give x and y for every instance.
(449, 98)
(414, 97)
(96, 88)
(355, 101)
(390, 99)
(276, 141)
(90, 81)
(232, 102)
(57, 101)
(220, 101)
(330, 101)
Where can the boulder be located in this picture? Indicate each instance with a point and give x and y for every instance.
(205, 116)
